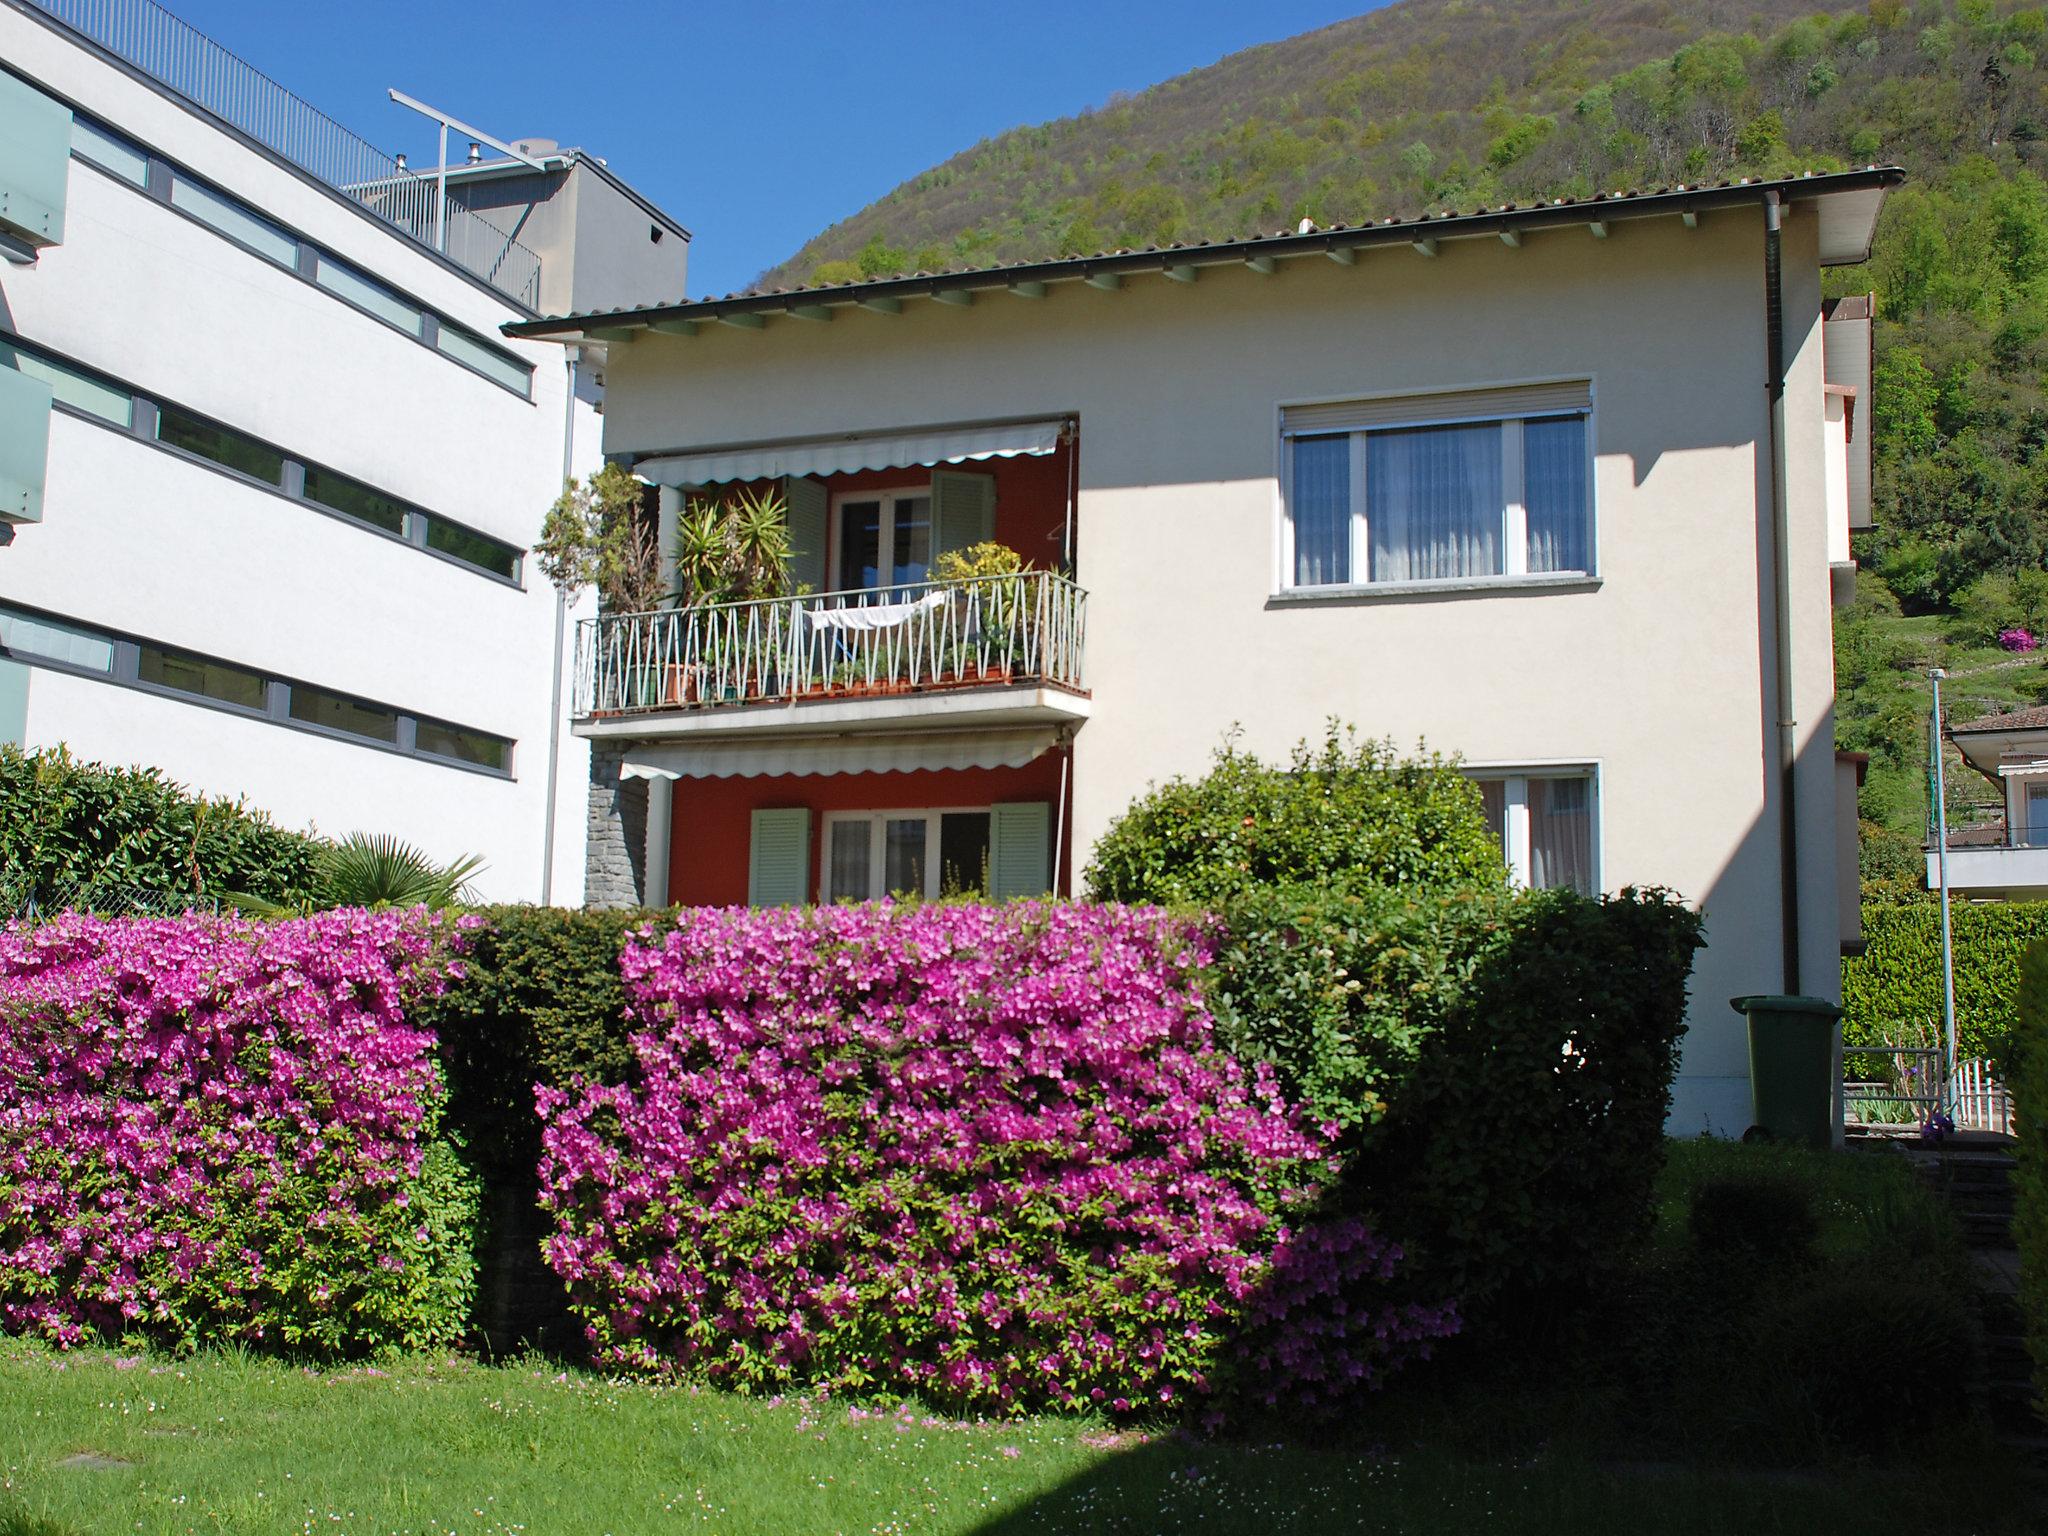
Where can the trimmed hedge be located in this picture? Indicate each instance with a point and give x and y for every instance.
(990, 1155)
(79, 833)
(2027, 1078)
(1500, 1065)
(218, 1131)
(1897, 978)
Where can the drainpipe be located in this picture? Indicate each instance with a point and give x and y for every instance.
(547, 852)
(1781, 563)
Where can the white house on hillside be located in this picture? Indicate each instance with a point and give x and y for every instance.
(2005, 859)
(1564, 489)
(268, 466)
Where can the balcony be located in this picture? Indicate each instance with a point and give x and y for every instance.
(1995, 862)
(986, 653)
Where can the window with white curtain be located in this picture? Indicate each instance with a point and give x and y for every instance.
(1480, 485)
(1545, 821)
(872, 854)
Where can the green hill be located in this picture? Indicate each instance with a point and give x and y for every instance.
(1454, 104)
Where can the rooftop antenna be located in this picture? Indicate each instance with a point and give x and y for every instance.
(441, 165)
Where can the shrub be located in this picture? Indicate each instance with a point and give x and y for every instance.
(990, 1155)
(73, 832)
(2028, 1077)
(1345, 814)
(222, 1131)
(1759, 1216)
(1897, 978)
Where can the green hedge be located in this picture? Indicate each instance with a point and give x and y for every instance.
(120, 839)
(1500, 1064)
(1896, 981)
(2027, 1078)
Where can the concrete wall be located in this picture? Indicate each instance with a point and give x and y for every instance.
(1659, 673)
(139, 540)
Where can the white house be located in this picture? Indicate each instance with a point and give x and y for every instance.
(269, 466)
(1564, 489)
(2004, 859)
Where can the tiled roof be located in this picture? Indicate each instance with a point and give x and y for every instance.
(2035, 719)
(1336, 240)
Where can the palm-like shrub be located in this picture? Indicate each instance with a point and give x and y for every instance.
(377, 872)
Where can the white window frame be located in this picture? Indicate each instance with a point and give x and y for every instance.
(878, 871)
(1514, 512)
(886, 552)
(1514, 779)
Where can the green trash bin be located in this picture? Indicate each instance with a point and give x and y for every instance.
(1791, 1066)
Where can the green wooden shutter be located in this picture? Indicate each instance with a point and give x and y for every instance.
(37, 165)
(1019, 849)
(24, 446)
(807, 503)
(779, 859)
(963, 510)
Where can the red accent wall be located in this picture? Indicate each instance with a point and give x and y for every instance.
(713, 818)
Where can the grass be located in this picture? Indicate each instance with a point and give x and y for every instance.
(95, 1442)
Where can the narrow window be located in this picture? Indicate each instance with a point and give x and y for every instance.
(47, 640)
(337, 712)
(1322, 511)
(109, 151)
(348, 283)
(479, 550)
(437, 739)
(219, 444)
(846, 876)
(196, 675)
(486, 359)
(353, 499)
(230, 218)
(69, 386)
(963, 853)
(1554, 478)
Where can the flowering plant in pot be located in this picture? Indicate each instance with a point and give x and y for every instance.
(988, 578)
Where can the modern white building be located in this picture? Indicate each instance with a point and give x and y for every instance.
(1564, 489)
(268, 466)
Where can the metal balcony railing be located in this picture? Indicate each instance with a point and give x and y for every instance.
(983, 632)
(178, 56)
(1994, 835)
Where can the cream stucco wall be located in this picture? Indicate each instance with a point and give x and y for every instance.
(1659, 673)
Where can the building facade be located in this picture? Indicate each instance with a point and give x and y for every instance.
(1518, 486)
(269, 466)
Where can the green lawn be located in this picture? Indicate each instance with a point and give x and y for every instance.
(94, 1442)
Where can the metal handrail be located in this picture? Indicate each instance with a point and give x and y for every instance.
(977, 632)
(1963, 839)
(177, 55)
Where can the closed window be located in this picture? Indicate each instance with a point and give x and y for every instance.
(1371, 499)
(1545, 823)
(338, 712)
(479, 550)
(220, 444)
(233, 220)
(24, 635)
(353, 499)
(486, 359)
(872, 854)
(339, 278)
(186, 673)
(884, 540)
(438, 739)
(71, 387)
(109, 151)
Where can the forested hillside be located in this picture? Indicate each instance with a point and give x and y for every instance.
(1434, 104)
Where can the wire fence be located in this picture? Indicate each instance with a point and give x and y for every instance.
(29, 901)
(180, 57)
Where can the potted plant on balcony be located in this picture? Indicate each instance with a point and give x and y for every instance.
(989, 576)
(731, 551)
(602, 533)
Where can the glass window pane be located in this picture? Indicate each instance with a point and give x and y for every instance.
(72, 388)
(24, 636)
(847, 879)
(375, 297)
(1320, 503)
(1433, 502)
(197, 675)
(219, 444)
(464, 746)
(1493, 796)
(1554, 477)
(486, 554)
(234, 221)
(316, 706)
(1561, 833)
(109, 151)
(963, 853)
(913, 547)
(346, 496)
(860, 545)
(903, 840)
(487, 360)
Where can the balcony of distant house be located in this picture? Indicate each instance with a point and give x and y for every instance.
(2002, 858)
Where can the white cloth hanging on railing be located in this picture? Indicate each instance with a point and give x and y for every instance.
(879, 616)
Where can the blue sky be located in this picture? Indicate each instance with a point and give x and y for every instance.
(756, 125)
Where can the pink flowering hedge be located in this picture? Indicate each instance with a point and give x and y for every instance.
(219, 1130)
(990, 1155)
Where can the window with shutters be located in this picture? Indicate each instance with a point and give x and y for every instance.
(871, 854)
(1475, 486)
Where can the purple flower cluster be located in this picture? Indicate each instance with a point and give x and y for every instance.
(214, 1129)
(2017, 640)
(990, 1155)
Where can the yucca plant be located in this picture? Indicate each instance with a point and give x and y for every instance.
(375, 871)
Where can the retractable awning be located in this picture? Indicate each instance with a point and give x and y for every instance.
(860, 450)
(854, 753)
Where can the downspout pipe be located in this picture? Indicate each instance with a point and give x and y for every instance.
(1781, 575)
(547, 851)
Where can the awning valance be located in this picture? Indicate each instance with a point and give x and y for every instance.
(853, 753)
(839, 455)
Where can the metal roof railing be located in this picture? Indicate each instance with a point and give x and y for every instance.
(183, 59)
